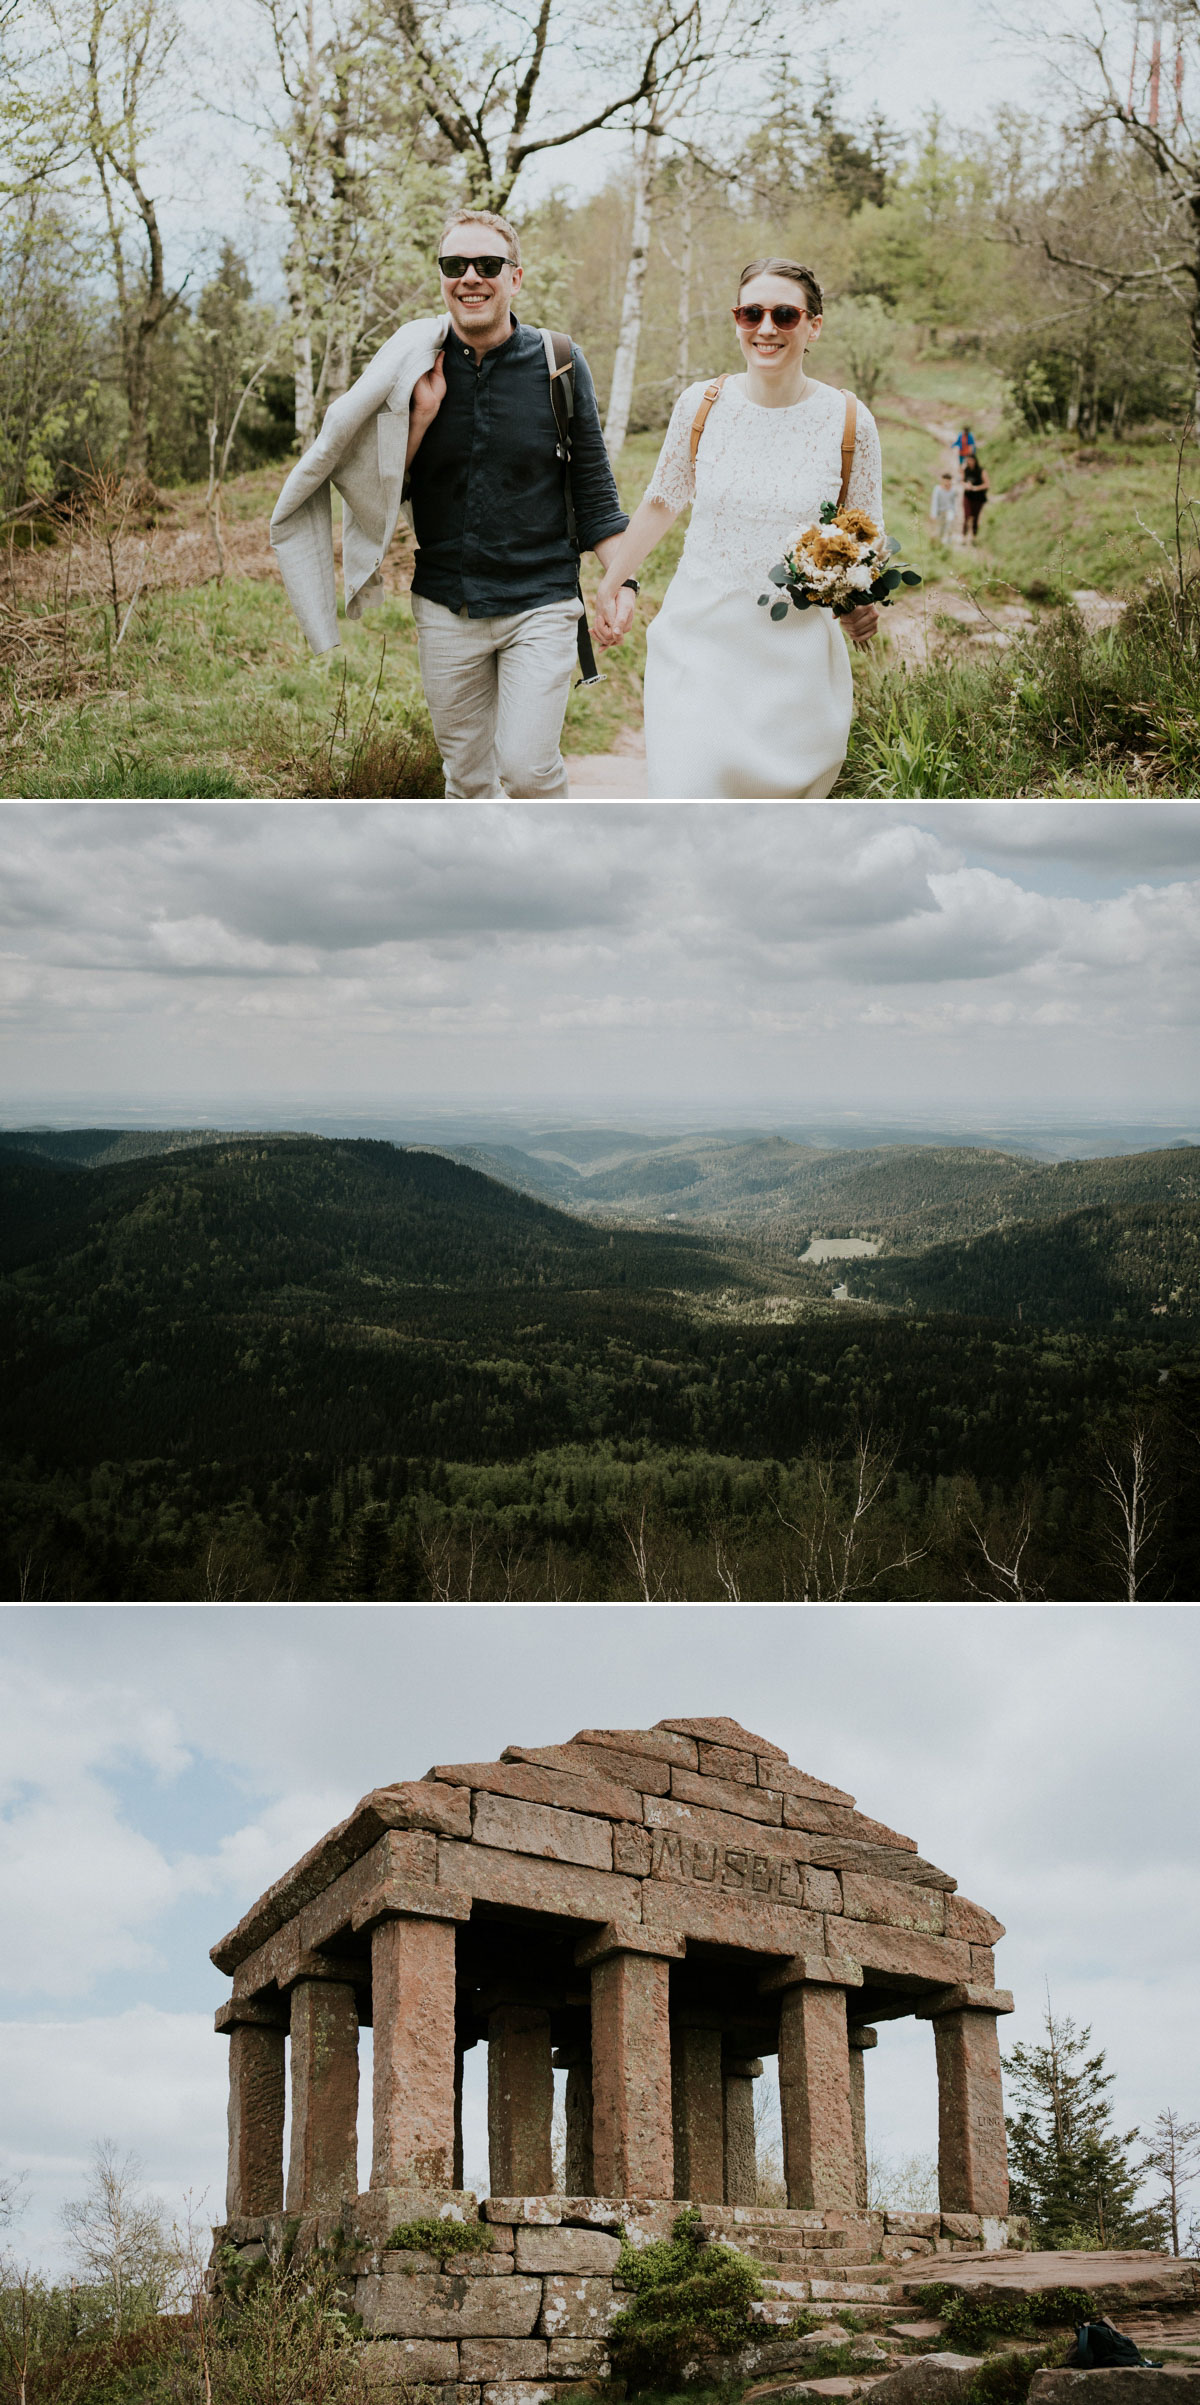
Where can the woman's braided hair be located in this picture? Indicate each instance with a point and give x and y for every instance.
(787, 267)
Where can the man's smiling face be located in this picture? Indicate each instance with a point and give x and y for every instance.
(480, 306)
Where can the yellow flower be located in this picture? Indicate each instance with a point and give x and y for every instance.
(856, 522)
(828, 547)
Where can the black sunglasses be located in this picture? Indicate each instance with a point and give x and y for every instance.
(490, 265)
(752, 313)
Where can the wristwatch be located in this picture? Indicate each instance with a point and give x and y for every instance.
(631, 585)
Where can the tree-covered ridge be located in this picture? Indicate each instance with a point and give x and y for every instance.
(355, 1369)
(904, 1193)
(1094, 1264)
(258, 1213)
(98, 1147)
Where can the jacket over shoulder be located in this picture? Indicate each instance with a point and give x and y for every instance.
(360, 450)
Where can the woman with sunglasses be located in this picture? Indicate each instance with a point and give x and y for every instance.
(740, 705)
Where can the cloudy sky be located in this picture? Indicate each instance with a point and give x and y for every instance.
(965, 58)
(936, 958)
(158, 1768)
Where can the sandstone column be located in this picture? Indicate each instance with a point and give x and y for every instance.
(413, 2101)
(256, 2109)
(461, 2048)
(323, 2162)
(814, 2080)
(576, 2061)
(972, 2155)
(741, 2145)
(632, 2148)
(861, 2039)
(520, 2100)
(697, 2113)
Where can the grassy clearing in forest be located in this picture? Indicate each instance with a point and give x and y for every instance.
(213, 692)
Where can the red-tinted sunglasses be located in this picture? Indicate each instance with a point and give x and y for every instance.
(752, 313)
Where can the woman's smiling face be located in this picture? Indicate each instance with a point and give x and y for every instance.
(767, 345)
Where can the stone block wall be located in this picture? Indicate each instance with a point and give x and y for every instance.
(527, 2322)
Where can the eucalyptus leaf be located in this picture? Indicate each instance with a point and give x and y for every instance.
(779, 609)
(910, 577)
(778, 574)
(893, 542)
(763, 599)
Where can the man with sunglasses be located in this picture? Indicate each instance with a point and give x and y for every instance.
(495, 592)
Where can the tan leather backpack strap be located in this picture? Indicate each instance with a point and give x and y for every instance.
(849, 434)
(698, 422)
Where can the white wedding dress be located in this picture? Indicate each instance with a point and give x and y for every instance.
(739, 705)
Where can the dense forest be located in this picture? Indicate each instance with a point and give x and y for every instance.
(262, 1366)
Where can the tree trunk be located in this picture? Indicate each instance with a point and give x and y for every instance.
(302, 355)
(625, 364)
(683, 359)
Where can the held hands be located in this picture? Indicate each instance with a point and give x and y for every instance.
(615, 605)
(860, 624)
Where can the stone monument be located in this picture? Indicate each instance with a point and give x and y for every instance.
(653, 1911)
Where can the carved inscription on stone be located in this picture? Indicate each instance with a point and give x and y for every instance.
(737, 1869)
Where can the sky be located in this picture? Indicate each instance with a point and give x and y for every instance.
(903, 57)
(159, 1767)
(948, 959)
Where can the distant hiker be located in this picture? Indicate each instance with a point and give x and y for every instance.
(964, 445)
(944, 507)
(508, 484)
(975, 493)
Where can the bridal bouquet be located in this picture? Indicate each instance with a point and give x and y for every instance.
(840, 565)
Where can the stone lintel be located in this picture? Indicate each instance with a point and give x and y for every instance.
(414, 1805)
(307, 1965)
(743, 2066)
(408, 1856)
(405, 1899)
(248, 2015)
(862, 2037)
(627, 1938)
(965, 1999)
(812, 1970)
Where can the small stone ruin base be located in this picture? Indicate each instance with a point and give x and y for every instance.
(527, 2321)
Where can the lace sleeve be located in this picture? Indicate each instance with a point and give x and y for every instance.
(865, 490)
(674, 479)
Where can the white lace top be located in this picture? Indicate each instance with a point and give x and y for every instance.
(760, 478)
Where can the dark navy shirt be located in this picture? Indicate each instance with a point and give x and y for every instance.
(487, 486)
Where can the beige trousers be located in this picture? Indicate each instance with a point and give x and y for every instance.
(497, 690)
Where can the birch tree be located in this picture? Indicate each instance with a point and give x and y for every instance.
(504, 88)
(1152, 103)
(616, 423)
(116, 57)
(359, 183)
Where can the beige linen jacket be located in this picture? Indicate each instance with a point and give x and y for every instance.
(360, 449)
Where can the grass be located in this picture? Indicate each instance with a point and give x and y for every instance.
(213, 692)
(1058, 713)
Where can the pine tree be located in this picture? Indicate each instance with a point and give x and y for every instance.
(1070, 2169)
(1173, 2153)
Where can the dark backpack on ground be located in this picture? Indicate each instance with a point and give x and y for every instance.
(1098, 2348)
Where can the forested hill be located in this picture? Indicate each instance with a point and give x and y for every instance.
(906, 1194)
(99, 1147)
(313, 1366)
(337, 1222)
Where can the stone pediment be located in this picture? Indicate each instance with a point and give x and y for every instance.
(693, 1832)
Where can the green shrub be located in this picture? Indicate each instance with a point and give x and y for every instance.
(973, 2321)
(435, 2237)
(692, 2298)
(1004, 2379)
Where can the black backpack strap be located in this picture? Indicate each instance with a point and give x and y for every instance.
(560, 366)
